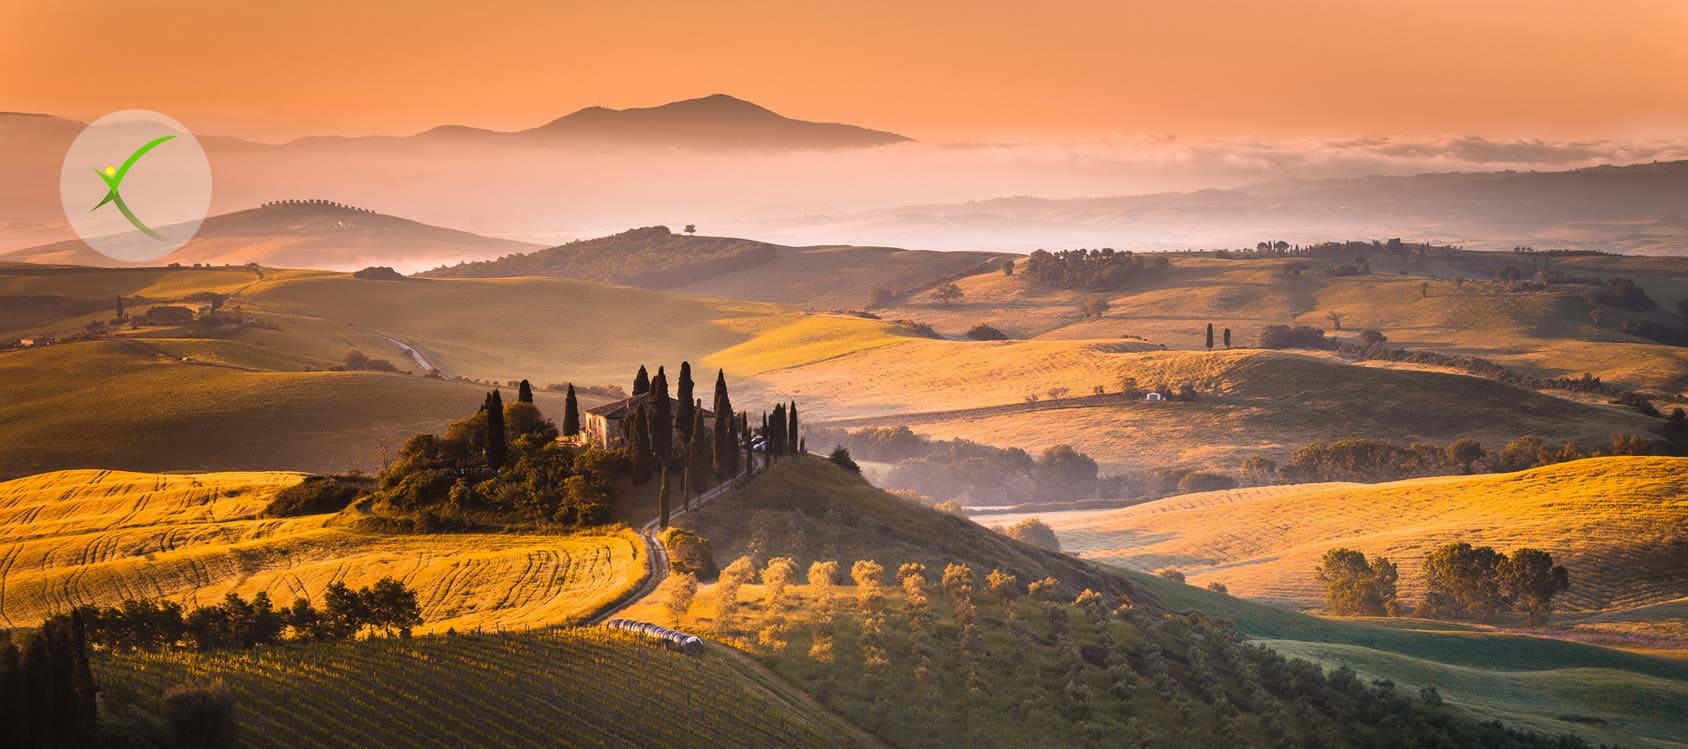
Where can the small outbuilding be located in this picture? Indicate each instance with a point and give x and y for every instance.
(1152, 396)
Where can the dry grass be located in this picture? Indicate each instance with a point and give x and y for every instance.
(1619, 524)
(97, 537)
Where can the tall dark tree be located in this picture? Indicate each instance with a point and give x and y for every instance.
(1227, 338)
(726, 423)
(496, 448)
(683, 400)
(776, 431)
(571, 414)
(662, 497)
(699, 455)
(1210, 336)
(639, 444)
(524, 393)
(120, 315)
(641, 381)
(662, 417)
(792, 442)
(749, 446)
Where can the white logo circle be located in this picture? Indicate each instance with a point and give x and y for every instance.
(135, 185)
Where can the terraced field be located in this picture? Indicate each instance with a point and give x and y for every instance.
(1619, 524)
(559, 687)
(97, 537)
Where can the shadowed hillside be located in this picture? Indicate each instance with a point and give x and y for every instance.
(827, 276)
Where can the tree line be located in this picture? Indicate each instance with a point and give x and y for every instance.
(1092, 270)
(388, 607)
(1461, 581)
(964, 470)
(1370, 460)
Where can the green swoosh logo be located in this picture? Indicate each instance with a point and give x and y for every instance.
(114, 179)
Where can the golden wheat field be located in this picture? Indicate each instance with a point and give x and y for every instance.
(1619, 524)
(98, 537)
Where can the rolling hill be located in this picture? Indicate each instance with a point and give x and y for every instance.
(314, 235)
(1250, 402)
(1618, 524)
(1014, 670)
(826, 276)
(128, 404)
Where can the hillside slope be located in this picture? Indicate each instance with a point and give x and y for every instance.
(301, 235)
(1619, 524)
(1250, 402)
(124, 404)
(824, 276)
(568, 687)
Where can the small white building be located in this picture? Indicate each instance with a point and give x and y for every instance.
(1154, 397)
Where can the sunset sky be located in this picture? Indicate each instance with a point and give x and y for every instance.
(933, 70)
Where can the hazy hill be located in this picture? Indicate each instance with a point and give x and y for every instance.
(828, 276)
(1637, 208)
(715, 122)
(312, 235)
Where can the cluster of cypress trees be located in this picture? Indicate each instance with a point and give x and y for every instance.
(496, 447)
(780, 429)
(667, 436)
(46, 688)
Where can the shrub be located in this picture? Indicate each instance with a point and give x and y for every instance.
(316, 495)
(1202, 481)
(200, 716)
(841, 457)
(1621, 293)
(1035, 532)
(690, 553)
(1172, 574)
(1299, 336)
(983, 332)
(358, 361)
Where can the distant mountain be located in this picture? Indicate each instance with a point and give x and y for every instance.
(712, 122)
(1632, 209)
(825, 276)
(316, 235)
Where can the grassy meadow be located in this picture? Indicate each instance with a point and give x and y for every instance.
(98, 537)
(1617, 523)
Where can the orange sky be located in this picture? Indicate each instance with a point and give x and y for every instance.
(933, 70)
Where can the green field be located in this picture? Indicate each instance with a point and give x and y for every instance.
(1555, 686)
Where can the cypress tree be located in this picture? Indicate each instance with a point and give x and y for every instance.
(683, 397)
(662, 497)
(791, 430)
(571, 414)
(775, 433)
(699, 458)
(641, 382)
(120, 307)
(1210, 336)
(662, 417)
(525, 393)
(638, 445)
(1227, 338)
(726, 449)
(495, 446)
(749, 449)
(767, 439)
